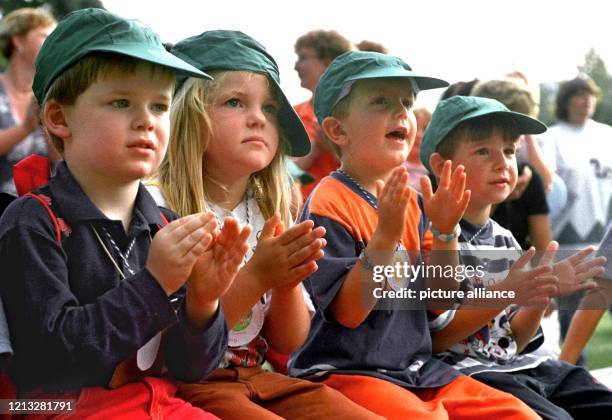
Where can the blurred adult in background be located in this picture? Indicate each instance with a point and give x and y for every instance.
(366, 45)
(580, 152)
(315, 50)
(22, 33)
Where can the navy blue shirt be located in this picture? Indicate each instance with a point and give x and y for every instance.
(393, 343)
(72, 318)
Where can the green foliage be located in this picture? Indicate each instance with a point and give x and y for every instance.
(599, 348)
(594, 68)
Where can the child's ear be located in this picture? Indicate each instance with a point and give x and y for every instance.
(436, 163)
(334, 130)
(54, 118)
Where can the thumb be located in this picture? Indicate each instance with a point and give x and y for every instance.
(380, 185)
(549, 255)
(270, 227)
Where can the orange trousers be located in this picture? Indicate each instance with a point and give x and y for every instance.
(464, 398)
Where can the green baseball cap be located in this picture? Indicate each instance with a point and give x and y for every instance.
(91, 30)
(346, 69)
(236, 51)
(456, 109)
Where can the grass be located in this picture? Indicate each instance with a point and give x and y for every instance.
(599, 348)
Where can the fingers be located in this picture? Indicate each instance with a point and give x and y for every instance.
(295, 232)
(458, 181)
(426, 188)
(270, 226)
(445, 177)
(580, 255)
(549, 255)
(313, 251)
(305, 240)
(524, 259)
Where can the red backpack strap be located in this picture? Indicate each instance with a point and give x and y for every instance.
(31, 173)
(161, 213)
(45, 204)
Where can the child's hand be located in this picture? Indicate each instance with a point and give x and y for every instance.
(286, 258)
(573, 271)
(392, 199)
(532, 287)
(214, 272)
(177, 247)
(446, 207)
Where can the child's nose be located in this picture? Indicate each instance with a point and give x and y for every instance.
(144, 120)
(256, 117)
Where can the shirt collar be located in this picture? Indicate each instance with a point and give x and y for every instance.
(74, 205)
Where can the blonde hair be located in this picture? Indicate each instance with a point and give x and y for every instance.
(182, 174)
(18, 23)
(72, 82)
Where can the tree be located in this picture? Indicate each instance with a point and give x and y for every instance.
(595, 68)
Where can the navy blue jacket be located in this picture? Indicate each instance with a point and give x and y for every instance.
(72, 318)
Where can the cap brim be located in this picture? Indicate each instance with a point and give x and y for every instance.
(292, 126)
(160, 57)
(423, 82)
(524, 123)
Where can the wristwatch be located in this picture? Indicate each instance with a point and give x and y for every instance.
(445, 237)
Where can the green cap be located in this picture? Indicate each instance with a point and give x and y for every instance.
(236, 51)
(90, 30)
(351, 66)
(456, 109)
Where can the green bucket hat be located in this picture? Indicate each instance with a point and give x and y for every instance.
(456, 109)
(236, 51)
(92, 30)
(346, 69)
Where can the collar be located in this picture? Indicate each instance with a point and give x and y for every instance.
(365, 195)
(74, 205)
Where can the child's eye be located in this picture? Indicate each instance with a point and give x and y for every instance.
(408, 103)
(381, 100)
(120, 103)
(270, 109)
(160, 108)
(482, 152)
(510, 151)
(233, 102)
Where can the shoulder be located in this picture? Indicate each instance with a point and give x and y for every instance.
(28, 213)
(502, 237)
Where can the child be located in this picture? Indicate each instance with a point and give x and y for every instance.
(229, 141)
(87, 294)
(381, 359)
(481, 135)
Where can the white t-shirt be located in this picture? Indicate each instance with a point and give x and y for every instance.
(582, 157)
(247, 347)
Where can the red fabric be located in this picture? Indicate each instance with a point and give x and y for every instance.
(7, 392)
(150, 398)
(31, 173)
(277, 360)
(327, 161)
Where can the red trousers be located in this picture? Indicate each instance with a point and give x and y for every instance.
(150, 398)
